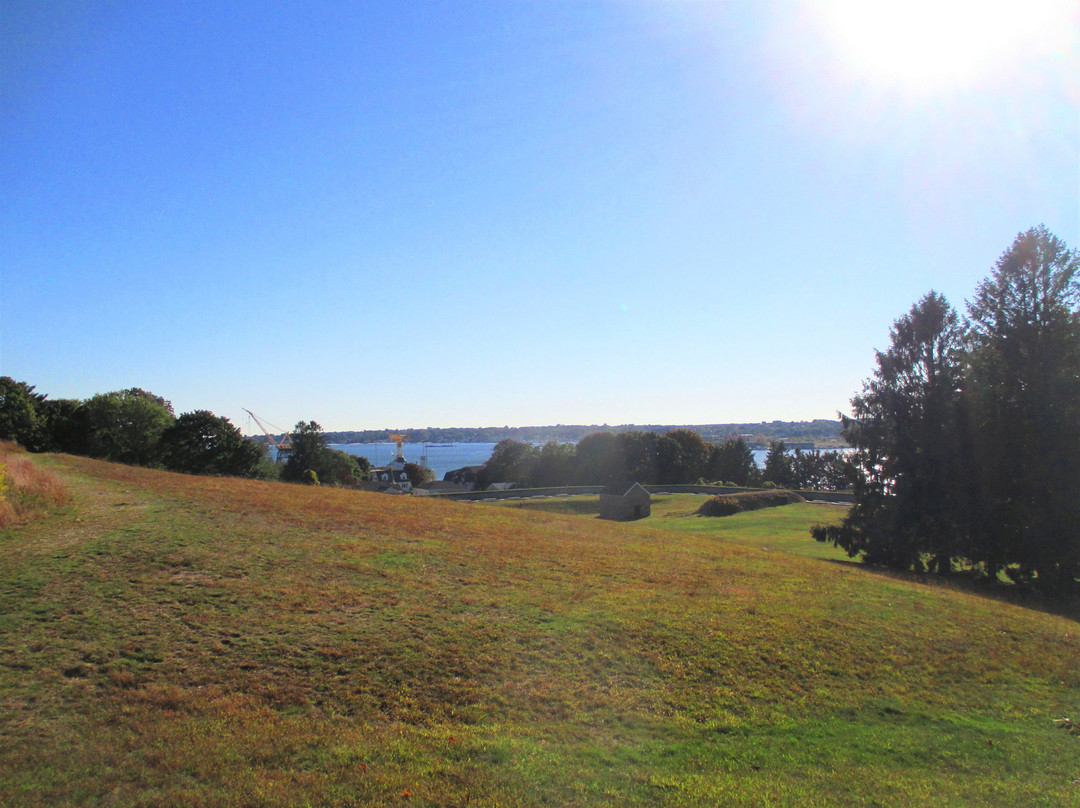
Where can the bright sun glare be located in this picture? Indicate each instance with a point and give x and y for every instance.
(927, 45)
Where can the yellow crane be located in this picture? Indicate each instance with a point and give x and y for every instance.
(399, 439)
(283, 445)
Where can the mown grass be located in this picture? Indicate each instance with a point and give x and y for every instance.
(173, 640)
(786, 529)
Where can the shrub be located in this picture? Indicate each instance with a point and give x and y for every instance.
(26, 491)
(729, 504)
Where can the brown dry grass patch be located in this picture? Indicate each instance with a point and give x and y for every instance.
(26, 490)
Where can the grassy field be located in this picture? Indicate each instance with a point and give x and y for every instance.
(181, 641)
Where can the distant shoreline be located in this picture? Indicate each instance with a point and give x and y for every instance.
(821, 433)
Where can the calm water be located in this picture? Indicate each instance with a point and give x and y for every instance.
(439, 457)
(444, 457)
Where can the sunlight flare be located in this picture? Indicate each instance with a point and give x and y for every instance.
(940, 44)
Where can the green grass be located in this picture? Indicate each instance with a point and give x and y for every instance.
(171, 640)
(786, 528)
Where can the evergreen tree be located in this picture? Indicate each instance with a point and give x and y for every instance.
(732, 461)
(779, 468)
(1024, 403)
(908, 458)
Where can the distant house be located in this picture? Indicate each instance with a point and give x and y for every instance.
(379, 487)
(438, 487)
(465, 477)
(392, 476)
(623, 503)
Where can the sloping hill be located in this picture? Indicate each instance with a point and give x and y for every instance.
(171, 640)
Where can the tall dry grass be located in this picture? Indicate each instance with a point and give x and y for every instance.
(26, 491)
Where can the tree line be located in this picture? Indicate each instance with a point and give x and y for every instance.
(678, 456)
(820, 431)
(140, 428)
(967, 436)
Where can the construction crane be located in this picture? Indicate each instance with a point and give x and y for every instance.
(282, 446)
(399, 439)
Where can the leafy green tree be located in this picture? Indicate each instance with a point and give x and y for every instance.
(125, 426)
(418, 475)
(640, 453)
(1024, 397)
(341, 468)
(837, 472)
(694, 452)
(65, 424)
(904, 430)
(19, 418)
(310, 453)
(670, 469)
(807, 469)
(307, 453)
(202, 443)
(511, 461)
(600, 459)
(554, 465)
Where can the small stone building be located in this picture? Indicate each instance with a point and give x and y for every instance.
(623, 503)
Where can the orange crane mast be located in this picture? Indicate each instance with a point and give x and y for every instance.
(283, 445)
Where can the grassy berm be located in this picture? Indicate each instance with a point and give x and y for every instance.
(182, 641)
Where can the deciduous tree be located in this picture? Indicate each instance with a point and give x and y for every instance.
(19, 418)
(600, 459)
(331, 466)
(640, 456)
(511, 461)
(418, 475)
(125, 426)
(554, 465)
(203, 443)
(65, 422)
(694, 453)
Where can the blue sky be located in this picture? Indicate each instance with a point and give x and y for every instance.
(527, 212)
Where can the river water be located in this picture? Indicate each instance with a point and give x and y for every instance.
(444, 457)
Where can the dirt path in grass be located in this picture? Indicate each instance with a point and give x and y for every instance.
(99, 507)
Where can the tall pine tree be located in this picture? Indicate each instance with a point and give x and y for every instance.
(1024, 393)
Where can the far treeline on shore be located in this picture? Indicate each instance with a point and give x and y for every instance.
(820, 432)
